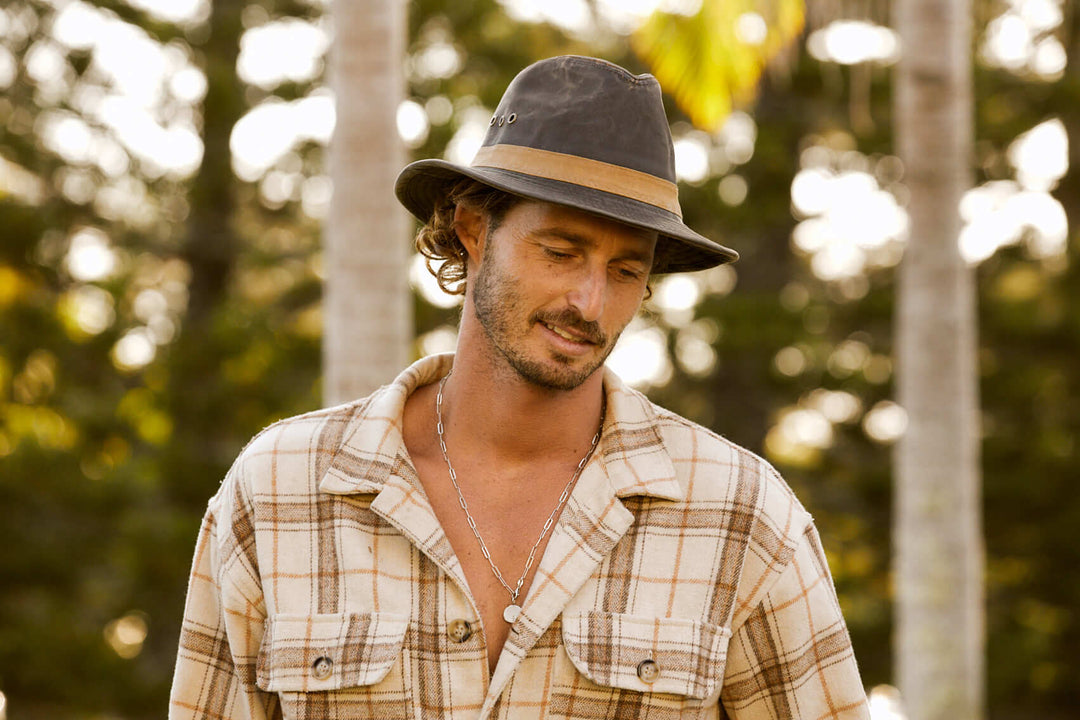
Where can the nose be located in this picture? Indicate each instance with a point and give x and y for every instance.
(589, 293)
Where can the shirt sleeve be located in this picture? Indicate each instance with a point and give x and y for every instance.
(223, 625)
(792, 657)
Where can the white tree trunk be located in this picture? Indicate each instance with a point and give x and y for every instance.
(939, 638)
(367, 305)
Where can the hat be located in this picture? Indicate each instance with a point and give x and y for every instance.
(584, 133)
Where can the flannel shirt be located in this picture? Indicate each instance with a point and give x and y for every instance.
(682, 580)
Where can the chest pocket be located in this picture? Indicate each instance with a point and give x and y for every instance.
(313, 653)
(651, 655)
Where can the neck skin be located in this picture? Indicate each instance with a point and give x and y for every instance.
(507, 418)
(552, 285)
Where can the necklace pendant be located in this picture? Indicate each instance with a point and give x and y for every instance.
(512, 613)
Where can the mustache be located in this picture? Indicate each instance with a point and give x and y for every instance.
(571, 319)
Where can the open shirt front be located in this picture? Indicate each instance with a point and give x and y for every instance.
(683, 579)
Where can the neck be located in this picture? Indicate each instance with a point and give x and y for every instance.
(511, 417)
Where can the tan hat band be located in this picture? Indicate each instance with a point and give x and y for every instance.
(576, 170)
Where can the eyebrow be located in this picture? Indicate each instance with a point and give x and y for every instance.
(584, 241)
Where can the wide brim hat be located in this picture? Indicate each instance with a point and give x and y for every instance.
(587, 134)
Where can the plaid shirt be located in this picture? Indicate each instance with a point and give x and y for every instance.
(683, 579)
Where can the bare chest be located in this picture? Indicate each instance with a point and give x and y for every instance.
(498, 536)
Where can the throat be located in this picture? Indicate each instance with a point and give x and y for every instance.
(513, 610)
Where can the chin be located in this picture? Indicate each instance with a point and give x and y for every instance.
(559, 372)
(561, 382)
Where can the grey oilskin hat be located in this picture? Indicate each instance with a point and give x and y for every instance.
(584, 133)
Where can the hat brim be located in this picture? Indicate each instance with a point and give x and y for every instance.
(424, 183)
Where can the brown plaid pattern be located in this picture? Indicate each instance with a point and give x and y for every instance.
(608, 648)
(683, 579)
(365, 646)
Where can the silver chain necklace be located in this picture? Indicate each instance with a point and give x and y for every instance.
(513, 610)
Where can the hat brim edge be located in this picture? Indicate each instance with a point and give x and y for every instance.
(422, 183)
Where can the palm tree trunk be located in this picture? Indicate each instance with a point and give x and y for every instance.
(367, 305)
(938, 547)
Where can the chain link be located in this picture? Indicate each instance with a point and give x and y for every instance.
(514, 591)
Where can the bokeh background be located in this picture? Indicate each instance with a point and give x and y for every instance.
(163, 187)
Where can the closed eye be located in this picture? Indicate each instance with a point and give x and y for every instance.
(626, 273)
(556, 254)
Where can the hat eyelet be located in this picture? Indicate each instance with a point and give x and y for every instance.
(540, 86)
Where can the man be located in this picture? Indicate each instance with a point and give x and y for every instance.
(510, 531)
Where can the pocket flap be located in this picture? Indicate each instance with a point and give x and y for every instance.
(303, 653)
(673, 655)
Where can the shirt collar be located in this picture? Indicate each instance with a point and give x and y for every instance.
(372, 442)
(631, 448)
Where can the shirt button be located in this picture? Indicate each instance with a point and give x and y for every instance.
(648, 671)
(459, 630)
(322, 668)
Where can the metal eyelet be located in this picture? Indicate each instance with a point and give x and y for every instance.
(511, 118)
(493, 119)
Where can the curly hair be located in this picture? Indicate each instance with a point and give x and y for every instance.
(437, 240)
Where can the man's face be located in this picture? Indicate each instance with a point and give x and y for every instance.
(555, 288)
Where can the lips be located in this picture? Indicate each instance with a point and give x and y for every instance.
(570, 326)
(567, 335)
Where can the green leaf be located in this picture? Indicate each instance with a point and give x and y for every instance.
(702, 60)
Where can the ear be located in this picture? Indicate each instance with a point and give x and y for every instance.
(471, 229)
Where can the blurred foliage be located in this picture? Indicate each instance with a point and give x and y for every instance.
(709, 61)
(106, 466)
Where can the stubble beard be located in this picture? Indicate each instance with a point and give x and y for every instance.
(497, 305)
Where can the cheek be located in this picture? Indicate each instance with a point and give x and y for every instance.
(625, 303)
(544, 284)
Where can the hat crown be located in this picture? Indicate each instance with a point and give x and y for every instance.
(588, 108)
(583, 133)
